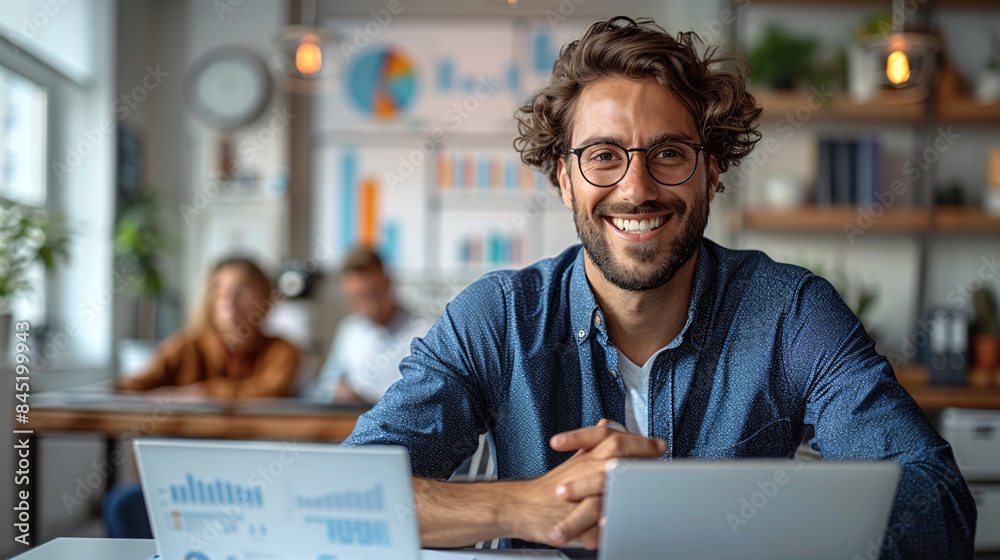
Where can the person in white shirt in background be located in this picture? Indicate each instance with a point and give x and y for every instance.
(369, 344)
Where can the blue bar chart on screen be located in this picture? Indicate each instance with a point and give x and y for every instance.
(214, 492)
(277, 501)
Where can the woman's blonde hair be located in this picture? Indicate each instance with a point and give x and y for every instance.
(201, 318)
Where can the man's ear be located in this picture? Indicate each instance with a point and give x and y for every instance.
(565, 185)
(713, 178)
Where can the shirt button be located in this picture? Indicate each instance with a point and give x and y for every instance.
(697, 337)
(614, 373)
(597, 320)
(581, 333)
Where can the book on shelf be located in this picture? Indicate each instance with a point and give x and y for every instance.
(868, 169)
(848, 171)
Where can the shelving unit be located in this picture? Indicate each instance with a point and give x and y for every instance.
(917, 225)
(799, 104)
(934, 398)
(964, 220)
(833, 219)
(966, 110)
(839, 107)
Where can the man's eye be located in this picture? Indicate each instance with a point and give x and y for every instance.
(668, 153)
(604, 156)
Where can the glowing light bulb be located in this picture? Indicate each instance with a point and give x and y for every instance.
(897, 68)
(308, 56)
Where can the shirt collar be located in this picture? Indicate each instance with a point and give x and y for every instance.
(586, 317)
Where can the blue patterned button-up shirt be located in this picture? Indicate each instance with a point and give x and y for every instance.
(768, 348)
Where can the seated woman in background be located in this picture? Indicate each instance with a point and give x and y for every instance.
(223, 353)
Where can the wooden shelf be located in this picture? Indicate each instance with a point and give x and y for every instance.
(801, 106)
(933, 398)
(968, 111)
(812, 218)
(959, 220)
(833, 219)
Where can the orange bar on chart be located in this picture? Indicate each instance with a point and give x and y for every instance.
(445, 172)
(524, 178)
(369, 212)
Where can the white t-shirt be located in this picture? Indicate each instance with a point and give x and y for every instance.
(366, 355)
(636, 381)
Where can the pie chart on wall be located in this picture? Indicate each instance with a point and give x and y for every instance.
(382, 83)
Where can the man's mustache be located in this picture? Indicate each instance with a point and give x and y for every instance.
(675, 206)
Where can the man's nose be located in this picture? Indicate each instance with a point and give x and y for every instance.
(637, 186)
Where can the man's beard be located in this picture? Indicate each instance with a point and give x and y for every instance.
(682, 248)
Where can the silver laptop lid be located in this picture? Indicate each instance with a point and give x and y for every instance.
(218, 500)
(746, 509)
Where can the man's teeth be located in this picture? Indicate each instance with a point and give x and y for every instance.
(638, 226)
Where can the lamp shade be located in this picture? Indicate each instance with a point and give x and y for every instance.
(306, 60)
(906, 62)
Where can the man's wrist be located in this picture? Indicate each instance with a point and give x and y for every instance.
(510, 506)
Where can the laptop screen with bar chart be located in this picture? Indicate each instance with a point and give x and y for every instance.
(248, 500)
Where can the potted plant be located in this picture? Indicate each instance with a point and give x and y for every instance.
(864, 72)
(988, 83)
(28, 237)
(139, 243)
(783, 61)
(985, 331)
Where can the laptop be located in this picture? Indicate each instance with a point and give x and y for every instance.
(220, 500)
(746, 509)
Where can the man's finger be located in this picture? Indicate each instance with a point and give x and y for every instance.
(582, 438)
(591, 538)
(582, 488)
(582, 518)
(622, 445)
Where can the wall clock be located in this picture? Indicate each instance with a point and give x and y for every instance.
(228, 87)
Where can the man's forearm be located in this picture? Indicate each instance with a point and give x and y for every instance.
(455, 514)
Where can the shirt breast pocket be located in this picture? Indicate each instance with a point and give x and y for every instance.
(773, 440)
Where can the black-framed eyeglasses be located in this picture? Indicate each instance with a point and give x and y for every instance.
(670, 163)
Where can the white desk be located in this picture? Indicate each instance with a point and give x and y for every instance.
(92, 549)
(141, 549)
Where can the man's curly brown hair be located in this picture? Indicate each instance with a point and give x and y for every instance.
(724, 111)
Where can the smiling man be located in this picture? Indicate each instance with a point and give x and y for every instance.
(696, 350)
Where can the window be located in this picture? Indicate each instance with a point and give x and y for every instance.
(23, 139)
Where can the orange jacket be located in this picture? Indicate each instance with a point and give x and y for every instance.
(268, 369)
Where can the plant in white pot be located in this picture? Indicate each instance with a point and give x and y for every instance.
(988, 82)
(29, 237)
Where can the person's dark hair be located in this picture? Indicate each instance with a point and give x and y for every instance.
(725, 113)
(362, 260)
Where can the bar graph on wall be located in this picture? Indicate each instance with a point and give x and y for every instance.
(544, 52)
(375, 206)
(410, 76)
(361, 218)
(463, 170)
